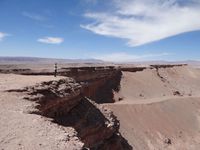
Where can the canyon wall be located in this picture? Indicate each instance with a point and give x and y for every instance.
(65, 102)
(73, 101)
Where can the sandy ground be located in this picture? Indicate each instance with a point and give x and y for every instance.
(22, 131)
(147, 126)
(151, 116)
(150, 113)
(146, 85)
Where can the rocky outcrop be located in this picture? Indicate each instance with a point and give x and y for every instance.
(167, 66)
(93, 123)
(54, 98)
(17, 71)
(65, 103)
(73, 102)
(101, 90)
(133, 69)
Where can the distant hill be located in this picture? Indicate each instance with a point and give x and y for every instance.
(36, 60)
(194, 63)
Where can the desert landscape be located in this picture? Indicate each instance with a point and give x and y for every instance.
(99, 75)
(100, 106)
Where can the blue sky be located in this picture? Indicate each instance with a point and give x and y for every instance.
(115, 30)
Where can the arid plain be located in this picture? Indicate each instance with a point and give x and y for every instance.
(99, 106)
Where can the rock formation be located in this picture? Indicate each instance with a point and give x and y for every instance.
(64, 101)
(74, 102)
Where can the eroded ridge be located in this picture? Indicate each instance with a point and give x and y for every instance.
(65, 103)
(142, 98)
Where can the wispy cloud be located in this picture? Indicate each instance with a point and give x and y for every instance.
(3, 35)
(34, 16)
(125, 57)
(51, 40)
(145, 21)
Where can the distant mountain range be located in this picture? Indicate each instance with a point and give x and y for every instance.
(36, 60)
(194, 63)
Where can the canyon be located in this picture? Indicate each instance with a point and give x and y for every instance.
(101, 107)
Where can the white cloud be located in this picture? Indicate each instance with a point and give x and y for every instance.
(124, 57)
(145, 21)
(34, 16)
(3, 35)
(51, 40)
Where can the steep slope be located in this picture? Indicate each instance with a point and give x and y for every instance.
(160, 108)
(159, 84)
(172, 124)
(21, 130)
(156, 107)
(62, 100)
